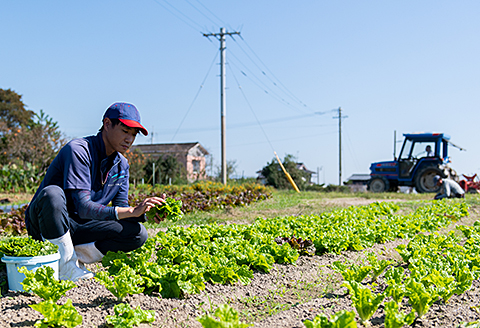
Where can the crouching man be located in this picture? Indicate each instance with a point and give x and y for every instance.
(70, 208)
(449, 188)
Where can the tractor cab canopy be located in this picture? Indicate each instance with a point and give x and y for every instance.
(418, 145)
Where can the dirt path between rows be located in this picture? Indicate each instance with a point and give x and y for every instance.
(285, 297)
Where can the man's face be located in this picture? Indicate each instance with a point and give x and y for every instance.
(118, 138)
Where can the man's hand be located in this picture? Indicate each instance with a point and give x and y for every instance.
(140, 209)
(157, 218)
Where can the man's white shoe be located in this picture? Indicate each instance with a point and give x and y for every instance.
(81, 265)
(88, 253)
(68, 266)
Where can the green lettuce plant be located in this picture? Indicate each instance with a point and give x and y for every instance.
(366, 303)
(125, 282)
(352, 272)
(395, 318)
(55, 315)
(127, 317)
(42, 283)
(378, 266)
(341, 319)
(171, 210)
(226, 317)
(395, 288)
(26, 247)
(419, 297)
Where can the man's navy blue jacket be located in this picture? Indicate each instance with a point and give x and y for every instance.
(83, 170)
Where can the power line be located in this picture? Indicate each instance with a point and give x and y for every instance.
(352, 151)
(269, 92)
(195, 98)
(221, 21)
(286, 89)
(286, 139)
(234, 127)
(253, 112)
(174, 14)
(248, 124)
(200, 12)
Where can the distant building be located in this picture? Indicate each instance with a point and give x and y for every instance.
(358, 181)
(190, 154)
(302, 167)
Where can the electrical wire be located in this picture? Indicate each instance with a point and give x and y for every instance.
(248, 124)
(183, 20)
(198, 92)
(201, 13)
(223, 23)
(263, 72)
(285, 139)
(264, 88)
(291, 118)
(352, 151)
(253, 112)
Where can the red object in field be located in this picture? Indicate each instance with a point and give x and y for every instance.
(471, 184)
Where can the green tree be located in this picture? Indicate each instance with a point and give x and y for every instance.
(231, 169)
(167, 170)
(26, 138)
(137, 161)
(275, 176)
(12, 111)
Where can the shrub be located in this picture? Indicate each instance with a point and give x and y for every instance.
(205, 195)
(13, 222)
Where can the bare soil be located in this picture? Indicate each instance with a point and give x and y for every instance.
(285, 297)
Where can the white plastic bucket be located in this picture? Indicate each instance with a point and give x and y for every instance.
(31, 263)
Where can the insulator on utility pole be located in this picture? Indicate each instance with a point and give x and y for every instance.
(223, 104)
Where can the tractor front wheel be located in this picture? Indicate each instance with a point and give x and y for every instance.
(424, 179)
(378, 184)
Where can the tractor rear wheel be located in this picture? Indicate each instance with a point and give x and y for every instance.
(424, 179)
(378, 184)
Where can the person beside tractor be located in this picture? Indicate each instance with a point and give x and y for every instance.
(70, 208)
(449, 188)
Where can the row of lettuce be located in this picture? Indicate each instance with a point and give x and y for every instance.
(181, 261)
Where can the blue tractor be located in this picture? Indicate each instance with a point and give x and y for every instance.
(423, 156)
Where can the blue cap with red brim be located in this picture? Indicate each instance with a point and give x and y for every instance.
(127, 114)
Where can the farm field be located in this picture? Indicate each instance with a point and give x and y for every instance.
(288, 294)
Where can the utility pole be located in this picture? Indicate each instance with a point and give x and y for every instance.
(340, 144)
(223, 104)
(318, 174)
(394, 145)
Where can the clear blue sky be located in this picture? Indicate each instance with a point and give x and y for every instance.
(402, 66)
